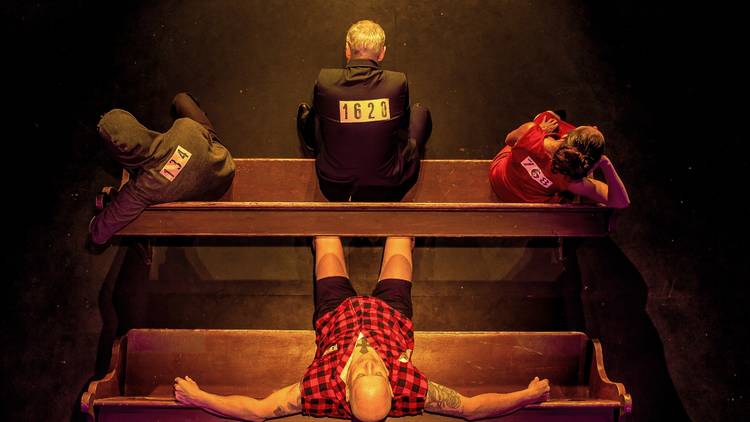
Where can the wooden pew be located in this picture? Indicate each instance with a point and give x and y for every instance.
(255, 362)
(452, 198)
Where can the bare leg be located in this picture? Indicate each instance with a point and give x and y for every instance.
(397, 259)
(329, 257)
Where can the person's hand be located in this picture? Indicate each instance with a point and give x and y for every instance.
(548, 125)
(603, 162)
(538, 390)
(187, 391)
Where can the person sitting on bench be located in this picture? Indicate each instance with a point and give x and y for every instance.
(187, 162)
(362, 367)
(544, 159)
(367, 139)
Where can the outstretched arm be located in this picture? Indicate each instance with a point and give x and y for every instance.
(445, 401)
(125, 208)
(612, 194)
(283, 402)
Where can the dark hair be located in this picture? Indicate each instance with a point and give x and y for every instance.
(580, 150)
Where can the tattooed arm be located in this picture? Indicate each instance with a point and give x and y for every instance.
(283, 402)
(445, 401)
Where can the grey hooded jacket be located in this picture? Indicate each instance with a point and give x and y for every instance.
(185, 163)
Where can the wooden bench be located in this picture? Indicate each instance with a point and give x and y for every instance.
(255, 362)
(452, 198)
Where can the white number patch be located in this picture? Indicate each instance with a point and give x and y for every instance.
(364, 111)
(175, 164)
(535, 172)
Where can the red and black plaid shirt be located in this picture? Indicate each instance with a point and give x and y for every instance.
(386, 330)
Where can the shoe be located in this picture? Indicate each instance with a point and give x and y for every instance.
(304, 112)
(95, 248)
(105, 197)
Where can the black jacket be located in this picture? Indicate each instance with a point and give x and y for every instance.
(365, 150)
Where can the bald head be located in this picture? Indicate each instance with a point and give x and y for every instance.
(370, 398)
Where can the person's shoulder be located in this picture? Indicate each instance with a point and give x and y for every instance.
(532, 137)
(330, 74)
(392, 74)
(186, 123)
(395, 81)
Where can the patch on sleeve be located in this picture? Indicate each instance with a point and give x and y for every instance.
(365, 111)
(535, 172)
(175, 164)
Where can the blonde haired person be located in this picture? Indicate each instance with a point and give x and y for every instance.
(366, 137)
(365, 38)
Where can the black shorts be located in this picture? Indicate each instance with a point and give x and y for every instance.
(331, 291)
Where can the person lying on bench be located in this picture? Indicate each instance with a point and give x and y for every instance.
(187, 162)
(544, 159)
(367, 139)
(362, 367)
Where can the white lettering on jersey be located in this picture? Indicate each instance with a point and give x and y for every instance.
(535, 172)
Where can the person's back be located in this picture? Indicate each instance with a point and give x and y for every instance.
(366, 137)
(161, 178)
(187, 162)
(361, 109)
(523, 172)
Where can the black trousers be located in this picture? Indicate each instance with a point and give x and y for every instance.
(331, 291)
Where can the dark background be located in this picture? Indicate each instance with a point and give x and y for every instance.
(664, 83)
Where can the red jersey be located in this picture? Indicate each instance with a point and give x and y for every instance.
(523, 172)
(388, 331)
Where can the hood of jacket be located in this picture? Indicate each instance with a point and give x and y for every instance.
(130, 143)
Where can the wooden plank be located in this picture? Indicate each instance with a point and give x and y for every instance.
(295, 180)
(600, 384)
(241, 361)
(370, 219)
(165, 410)
(168, 402)
(452, 198)
(247, 362)
(155, 356)
(110, 385)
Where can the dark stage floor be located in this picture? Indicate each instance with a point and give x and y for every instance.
(666, 293)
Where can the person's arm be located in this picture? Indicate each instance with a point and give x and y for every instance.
(612, 194)
(284, 402)
(546, 125)
(126, 207)
(445, 401)
(517, 133)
